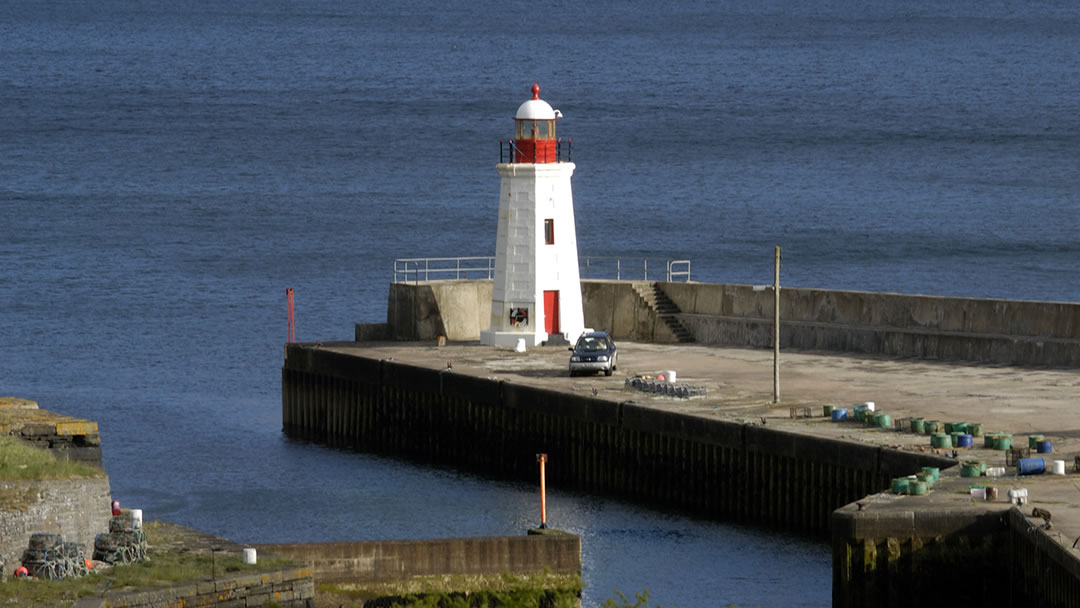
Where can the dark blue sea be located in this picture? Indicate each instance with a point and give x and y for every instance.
(168, 169)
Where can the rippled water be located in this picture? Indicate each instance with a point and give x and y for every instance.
(167, 170)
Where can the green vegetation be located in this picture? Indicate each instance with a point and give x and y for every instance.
(475, 591)
(166, 568)
(22, 461)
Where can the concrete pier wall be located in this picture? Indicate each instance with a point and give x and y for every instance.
(399, 560)
(930, 327)
(922, 555)
(727, 470)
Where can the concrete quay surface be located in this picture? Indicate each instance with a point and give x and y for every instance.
(739, 385)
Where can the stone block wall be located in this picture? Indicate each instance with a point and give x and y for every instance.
(389, 560)
(290, 588)
(76, 509)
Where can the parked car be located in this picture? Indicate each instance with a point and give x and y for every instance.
(594, 352)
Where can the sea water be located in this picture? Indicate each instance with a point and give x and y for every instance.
(167, 170)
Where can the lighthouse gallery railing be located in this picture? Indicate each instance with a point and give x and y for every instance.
(414, 270)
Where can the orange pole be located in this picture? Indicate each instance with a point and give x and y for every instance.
(542, 458)
(292, 317)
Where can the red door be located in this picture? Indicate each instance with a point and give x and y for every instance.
(551, 312)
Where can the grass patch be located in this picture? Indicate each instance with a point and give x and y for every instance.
(165, 568)
(535, 590)
(20, 461)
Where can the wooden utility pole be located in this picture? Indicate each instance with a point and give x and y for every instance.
(776, 330)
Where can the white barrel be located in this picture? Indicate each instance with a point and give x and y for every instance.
(670, 375)
(995, 471)
(869, 405)
(136, 519)
(249, 555)
(1059, 467)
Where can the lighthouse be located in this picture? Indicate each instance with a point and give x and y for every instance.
(536, 296)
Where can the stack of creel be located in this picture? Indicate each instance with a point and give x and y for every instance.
(48, 556)
(124, 543)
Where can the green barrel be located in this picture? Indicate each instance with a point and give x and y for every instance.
(917, 488)
(927, 478)
(917, 425)
(1033, 441)
(860, 415)
(940, 440)
(948, 427)
(1003, 441)
(935, 471)
(955, 437)
(975, 428)
(931, 427)
(989, 439)
(971, 469)
(827, 410)
(900, 485)
(959, 427)
(883, 420)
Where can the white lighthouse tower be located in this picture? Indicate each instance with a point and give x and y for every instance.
(537, 290)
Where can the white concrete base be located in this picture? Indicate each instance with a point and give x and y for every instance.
(510, 338)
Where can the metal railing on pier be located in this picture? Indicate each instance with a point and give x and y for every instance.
(412, 270)
(634, 269)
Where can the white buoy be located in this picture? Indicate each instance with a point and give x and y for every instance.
(136, 519)
(1059, 467)
(249, 555)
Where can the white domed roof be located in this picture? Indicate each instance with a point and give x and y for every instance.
(535, 108)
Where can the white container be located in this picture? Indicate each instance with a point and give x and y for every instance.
(136, 519)
(249, 555)
(1059, 467)
(995, 472)
(670, 375)
(1018, 496)
(869, 405)
(520, 346)
(978, 493)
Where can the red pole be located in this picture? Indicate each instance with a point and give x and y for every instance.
(292, 317)
(542, 458)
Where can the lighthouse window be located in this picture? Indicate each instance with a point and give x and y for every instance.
(549, 232)
(526, 129)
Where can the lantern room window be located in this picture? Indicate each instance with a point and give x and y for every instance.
(535, 129)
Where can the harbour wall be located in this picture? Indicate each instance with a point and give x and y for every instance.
(723, 469)
(288, 588)
(921, 555)
(896, 325)
(399, 560)
(77, 509)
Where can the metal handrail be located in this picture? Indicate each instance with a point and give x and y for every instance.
(414, 270)
(411, 269)
(638, 269)
(508, 150)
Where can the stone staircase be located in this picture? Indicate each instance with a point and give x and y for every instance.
(666, 310)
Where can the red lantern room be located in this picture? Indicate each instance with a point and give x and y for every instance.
(534, 131)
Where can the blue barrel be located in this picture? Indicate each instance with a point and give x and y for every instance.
(1030, 466)
(839, 414)
(1044, 446)
(964, 441)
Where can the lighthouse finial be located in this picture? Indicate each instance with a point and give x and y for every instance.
(536, 90)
